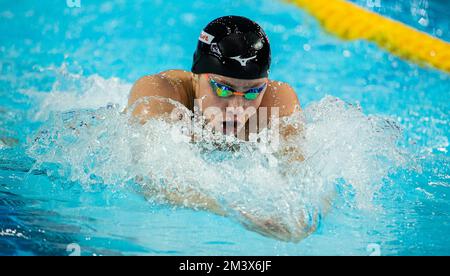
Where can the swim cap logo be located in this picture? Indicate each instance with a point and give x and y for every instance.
(215, 50)
(243, 61)
(205, 37)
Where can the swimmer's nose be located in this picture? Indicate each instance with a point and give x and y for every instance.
(233, 113)
(236, 101)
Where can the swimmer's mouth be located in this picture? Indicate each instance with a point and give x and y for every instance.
(230, 127)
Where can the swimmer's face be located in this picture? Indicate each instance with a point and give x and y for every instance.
(235, 109)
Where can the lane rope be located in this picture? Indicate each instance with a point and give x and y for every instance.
(350, 22)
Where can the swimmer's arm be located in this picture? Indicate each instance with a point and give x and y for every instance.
(187, 198)
(153, 86)
(269, 227)
(180, 196)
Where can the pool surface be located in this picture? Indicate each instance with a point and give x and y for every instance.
(377, 133)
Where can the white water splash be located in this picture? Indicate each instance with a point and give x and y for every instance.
(105, 145)
(73, 91)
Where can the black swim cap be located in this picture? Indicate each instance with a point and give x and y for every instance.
(233, 46)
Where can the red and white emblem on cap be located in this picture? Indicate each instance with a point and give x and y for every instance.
(205, 37)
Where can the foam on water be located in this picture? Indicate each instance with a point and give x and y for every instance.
(72, 90)
(84, 139)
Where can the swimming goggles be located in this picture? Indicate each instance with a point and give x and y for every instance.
(224, 91)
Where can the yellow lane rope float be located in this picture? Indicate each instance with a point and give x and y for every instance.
(349, 21)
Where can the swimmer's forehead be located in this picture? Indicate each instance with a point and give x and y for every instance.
(238, 82)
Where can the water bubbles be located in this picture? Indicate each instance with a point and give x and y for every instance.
(423, 21)
(258, 45)
(306, 47)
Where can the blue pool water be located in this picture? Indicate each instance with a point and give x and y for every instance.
(377, 131)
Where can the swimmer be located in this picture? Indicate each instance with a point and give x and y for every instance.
(229, 73)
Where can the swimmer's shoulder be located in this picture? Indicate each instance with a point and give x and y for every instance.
(282, 95)
(173, 84)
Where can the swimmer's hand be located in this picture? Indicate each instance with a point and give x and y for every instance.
(277, 229)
